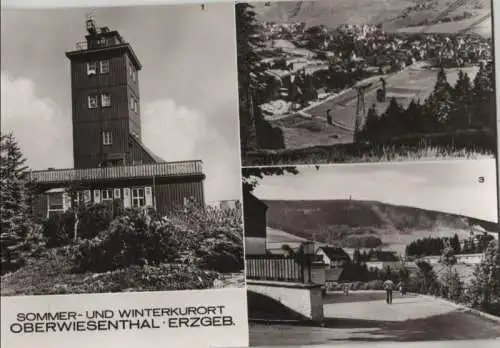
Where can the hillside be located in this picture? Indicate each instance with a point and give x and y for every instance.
(346, 222)
(391, 14)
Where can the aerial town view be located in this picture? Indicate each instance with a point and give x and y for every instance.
(343, 81)
(334, 256)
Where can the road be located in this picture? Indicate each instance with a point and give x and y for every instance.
(365, 317)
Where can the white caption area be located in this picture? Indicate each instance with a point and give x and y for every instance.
(205, 318)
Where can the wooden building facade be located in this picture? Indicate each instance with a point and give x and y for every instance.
(110, 160)
(162, 186)
(255, 224)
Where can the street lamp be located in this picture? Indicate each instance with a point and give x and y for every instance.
(309, 253)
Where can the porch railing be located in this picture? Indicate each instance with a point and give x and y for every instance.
(275, 268)
(185, 168)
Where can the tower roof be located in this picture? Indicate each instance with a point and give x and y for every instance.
(100, 40)
(82, 51)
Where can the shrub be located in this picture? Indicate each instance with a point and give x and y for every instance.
(58, 229)
(211, 237)
(95, 218)
(34, 241)
(176, 277)
(129, 240)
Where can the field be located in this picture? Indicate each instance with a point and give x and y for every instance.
(391, 14)
(479, 24)
(415, 82)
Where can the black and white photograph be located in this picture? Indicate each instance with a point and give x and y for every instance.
(334, 81)
(373, 252)
(120, 163)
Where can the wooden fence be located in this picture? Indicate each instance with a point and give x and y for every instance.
(275, 268)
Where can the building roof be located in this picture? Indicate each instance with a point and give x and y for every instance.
(250, 199)
(335, 254)
(125, 47)
(163, 169)
(139, 143)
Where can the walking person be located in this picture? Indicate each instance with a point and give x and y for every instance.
(388, 286)
(329, 117)
(346, 290)
(401, 288)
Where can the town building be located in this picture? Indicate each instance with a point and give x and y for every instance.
(110, 160)
(333, 257)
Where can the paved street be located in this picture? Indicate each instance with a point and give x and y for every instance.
(365, 317)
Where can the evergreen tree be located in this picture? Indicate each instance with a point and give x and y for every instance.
(438, 106)
(466, 247)
(392, 124)
(448, 259)
(455, 244)
(356, 256)
(455, 287)
(404, 274)
(472, 245)
(485, 285)
(461, 117)
(14, 210)
(427, 278)
(371, 127)
(412, 118)
(483, 94)
(483, 241)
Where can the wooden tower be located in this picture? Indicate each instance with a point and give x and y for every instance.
(105, 101)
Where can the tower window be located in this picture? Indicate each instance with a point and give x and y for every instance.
(91, 68)
(132, 103)
(131, 72)
(135, 106)
(92, 101)
(107, 138)
(105, 100)
(104, 66)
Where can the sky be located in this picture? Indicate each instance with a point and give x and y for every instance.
(188, 84)
(446, 186)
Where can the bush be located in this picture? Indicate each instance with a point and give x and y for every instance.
(129, 240)
(58, 230)
(175, 276)
(34, 240)
(211, 237)
(95, 218)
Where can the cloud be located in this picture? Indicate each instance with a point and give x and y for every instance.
(172, 131)
(178, 133)
(41, 129)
